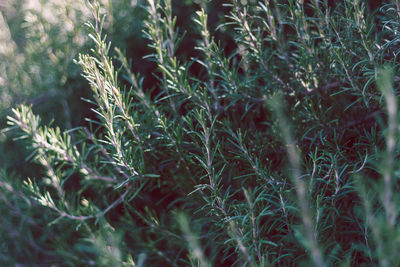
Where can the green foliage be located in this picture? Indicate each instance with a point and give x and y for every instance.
(278, 147)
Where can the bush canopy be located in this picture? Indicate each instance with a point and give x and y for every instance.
(253, 133)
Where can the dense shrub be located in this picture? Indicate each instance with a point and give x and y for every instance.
(271, 141)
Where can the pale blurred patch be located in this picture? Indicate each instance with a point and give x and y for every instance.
(50, 37)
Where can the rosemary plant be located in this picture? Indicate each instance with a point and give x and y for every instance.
(282, 151)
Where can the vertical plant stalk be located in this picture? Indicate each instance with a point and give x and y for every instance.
(301, 192)
(155, 34)
(208, 165)
(254, 225)
(206, 46)
(398, 8)
(109, 73)
(384, 82)
(255, 44)
(100, 73)
(192, 241)
(373, 222)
